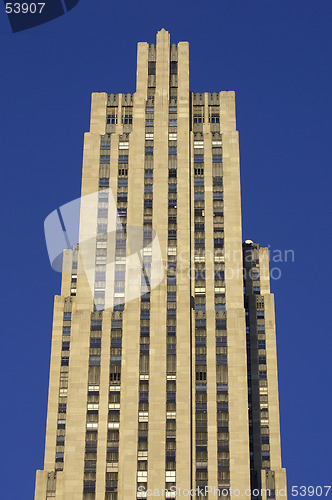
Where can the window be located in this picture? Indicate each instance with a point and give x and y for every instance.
(199, 196)
(65, 346)
(148, 203)
(94, 361)
(111, 119)
(105, 159)
(127, 115)
(67, 316)
(123, 158)
(148, 188)
(220, 307)
(66, 330)
(145, 331)
(199, 227)
(105, 145)
(64, 361)
(149, 123)
(214, 118)
(171, 349)
(199, 181)
(216, 158)
(151, 68)
(200, 274)
(200, 341)
(172, 203)
(122, 197)
(174, 68)
(172, 150)
(218, 243)
(172, 172)
(172, 235)
(171, 331)
(200, 324)
(148, 173)
(219, 275)
(198, 158)
(220, 324)
(102, 212)
(217, 181)
(172, 123)
(199, 243)
(95, 342)
(149, 150)
(102, 228)
(199, 212)
(104, 182)
(198, 118)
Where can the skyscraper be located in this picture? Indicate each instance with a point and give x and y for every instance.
(163, 373)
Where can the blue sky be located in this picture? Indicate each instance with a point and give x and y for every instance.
(277, 58)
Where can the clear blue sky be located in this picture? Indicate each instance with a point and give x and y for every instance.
(277, 58)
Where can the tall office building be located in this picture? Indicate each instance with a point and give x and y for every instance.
(163, 373)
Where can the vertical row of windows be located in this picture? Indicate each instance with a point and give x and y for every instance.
(220, 312)
(201, 431)
(144, 355)
(113, 421)
(256, 365)
(92, 410)
(63, 387)
(170, 447)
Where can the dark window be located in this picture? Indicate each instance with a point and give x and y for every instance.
(220, 324)
(214, 118)
(172, 172)
(174, 67)
(218, 243)
(198, 158)
(148, 203)
(171, 331)
(95, 342)
(104, 182)
(66, 331)
(148, 173)
(200, 324)
(65, 346)
(94, 361)
(152, 68)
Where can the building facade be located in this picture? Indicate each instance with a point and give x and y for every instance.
(163, 374)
